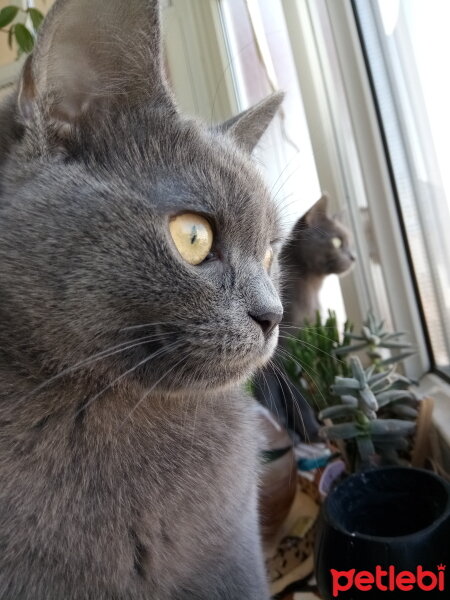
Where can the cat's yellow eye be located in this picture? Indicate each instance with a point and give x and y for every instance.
(337, 242)
(193, 237)
(268, 258)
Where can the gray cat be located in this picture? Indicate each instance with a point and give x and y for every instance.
(319, 245)
(137, 293)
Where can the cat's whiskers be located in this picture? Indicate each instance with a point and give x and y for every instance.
(274, 404)
(305, 328)
(152, 324)
(288, 164)
(308, 372)
(309, 345)
(87, 362)
(160, 351)
(148, 392)
(294, 400)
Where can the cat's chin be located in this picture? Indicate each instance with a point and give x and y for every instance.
(216, 376)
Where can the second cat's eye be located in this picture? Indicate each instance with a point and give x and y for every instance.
(192, 236)
(337, 242)
(268, 258)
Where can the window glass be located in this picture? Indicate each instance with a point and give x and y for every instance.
(407, 47)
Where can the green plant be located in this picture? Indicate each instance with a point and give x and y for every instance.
(24, 34)
(375, 417)
(373, 409)
(312, 361)
(374, 339)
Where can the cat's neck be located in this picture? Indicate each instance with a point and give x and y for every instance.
(301, 299)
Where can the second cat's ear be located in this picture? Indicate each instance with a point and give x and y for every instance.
(318, 212)
(248, 126)
(92, 54)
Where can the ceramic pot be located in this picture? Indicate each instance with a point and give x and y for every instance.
(381, 532)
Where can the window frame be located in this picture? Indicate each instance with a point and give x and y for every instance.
(433, 367)
(304, 19)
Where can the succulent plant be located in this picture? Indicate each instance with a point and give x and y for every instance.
(373, 337)
(375, 415)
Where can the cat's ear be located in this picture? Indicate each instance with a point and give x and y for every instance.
(92, 54)
(318, 212)
(248, 126)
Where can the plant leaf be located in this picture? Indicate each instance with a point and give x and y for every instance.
(386, 398)
(349, 400)
(7, 15)
(336, 412)
(391, 427)
(24, 38)
(402, 410)
(379, 378)
(369, 399)
(394, 359)
(398, 345)
(344, 431)
(36, 17)
(268, 456)
(347, 349)
(348, 382)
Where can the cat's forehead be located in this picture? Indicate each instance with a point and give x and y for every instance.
(193, 168)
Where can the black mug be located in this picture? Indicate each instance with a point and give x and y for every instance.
(383, 532)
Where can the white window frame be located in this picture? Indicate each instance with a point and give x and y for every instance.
(198, 59)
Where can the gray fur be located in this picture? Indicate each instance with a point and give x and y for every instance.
(307, 258)
(121, 484)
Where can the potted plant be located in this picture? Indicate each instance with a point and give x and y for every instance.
(371, 412)
(384, 530)
(382, 506)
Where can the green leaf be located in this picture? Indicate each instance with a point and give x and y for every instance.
(394, 345)
(357, 370)
(336, 412)
(391, 427)
(36, 17)
(24, 38)
(349, 400)
(268, 456)
(368, 399)
(386, 398)
(394, 359)
(404, 411)
(344, 431)
(348, 382)
(366, 450)
(7, 15)
(348, 349)
(379, 378)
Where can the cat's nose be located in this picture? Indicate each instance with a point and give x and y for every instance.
(268, 320)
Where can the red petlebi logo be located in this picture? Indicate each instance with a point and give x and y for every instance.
(388, 580)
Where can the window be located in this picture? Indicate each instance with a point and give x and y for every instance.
(407, 48)
(261, 61)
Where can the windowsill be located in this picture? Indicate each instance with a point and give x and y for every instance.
(435, 387)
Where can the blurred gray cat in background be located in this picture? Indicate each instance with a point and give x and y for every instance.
(319, 245)
(138, 291)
